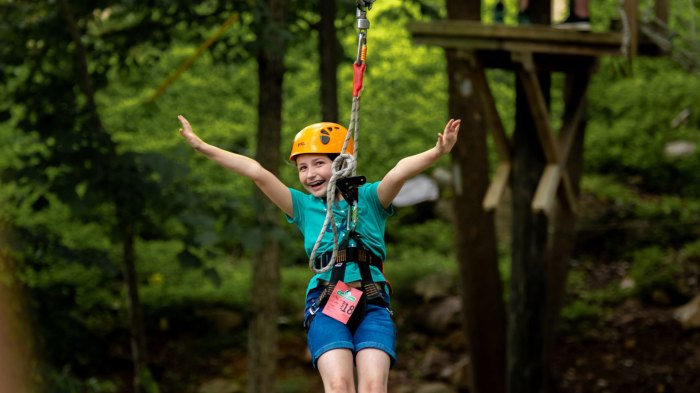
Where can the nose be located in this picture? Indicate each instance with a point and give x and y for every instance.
(311, 173)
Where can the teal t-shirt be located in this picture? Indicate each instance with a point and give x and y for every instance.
(310, 213)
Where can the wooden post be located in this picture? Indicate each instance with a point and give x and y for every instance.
(661, 9)
(563, 223)
(632, 31)
(526, 322)
(481, 289)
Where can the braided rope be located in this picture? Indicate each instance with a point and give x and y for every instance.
(343, 166)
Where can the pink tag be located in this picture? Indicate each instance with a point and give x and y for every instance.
(342, 302)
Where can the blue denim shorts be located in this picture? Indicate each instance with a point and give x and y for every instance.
(377, 330)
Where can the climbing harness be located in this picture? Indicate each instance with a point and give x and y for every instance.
(372, 292)
(345, 164)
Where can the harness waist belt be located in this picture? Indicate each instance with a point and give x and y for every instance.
(350, 254)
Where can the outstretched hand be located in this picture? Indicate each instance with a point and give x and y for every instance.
(188, 134)
(448, 138)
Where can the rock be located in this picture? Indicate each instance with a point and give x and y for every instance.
(222, 319)
(435, 286)
(689, 314)
(456, 341)
(221, 385)
(434, 387)
(679, 149)
(444, 316)
(433, 363)
(460, 374)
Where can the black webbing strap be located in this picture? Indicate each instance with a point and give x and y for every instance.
(362, 257)
(369, 287)
(350, 254)
(337, 274)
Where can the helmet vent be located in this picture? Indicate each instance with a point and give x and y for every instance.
(326, 136)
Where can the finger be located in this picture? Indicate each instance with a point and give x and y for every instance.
(185, 123)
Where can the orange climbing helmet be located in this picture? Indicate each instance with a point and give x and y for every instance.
(322, 138)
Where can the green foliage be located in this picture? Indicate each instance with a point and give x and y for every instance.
(655, 273)
(63, 381)
(586, 307)
(691, 251)
(433, 235)
(579, 315)
(628, 132)
(413, 263)
(640, 219)
(63, 179)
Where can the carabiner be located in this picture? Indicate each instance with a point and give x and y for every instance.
(362, 27)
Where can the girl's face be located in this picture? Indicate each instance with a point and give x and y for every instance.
(315, 171)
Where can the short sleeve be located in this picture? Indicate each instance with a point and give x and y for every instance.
(298, 206)
(373, 200)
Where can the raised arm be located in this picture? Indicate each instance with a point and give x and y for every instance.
(411, 166)
(268, 183)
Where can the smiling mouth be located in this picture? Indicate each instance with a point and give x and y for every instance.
(316, 183)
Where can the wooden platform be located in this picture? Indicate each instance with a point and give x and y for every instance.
(560, 48)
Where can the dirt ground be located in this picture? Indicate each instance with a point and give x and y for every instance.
(634, 350)
(635, 347)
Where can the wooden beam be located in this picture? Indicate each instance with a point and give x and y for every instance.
(532, 33)
(497, 187)
(537, 105)
(546, 189)
(554, 182)
(567, 193)
(577, 84)
(481, 85)
(534, 38)
(661, 8)
(501, 179)
(632, 30)
(560, 48)
(553, 176)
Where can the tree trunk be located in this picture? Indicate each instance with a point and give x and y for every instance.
(263, 330)
(138, 336)
(328, 53)
(481, 287)
(527, 319)
(17, 362)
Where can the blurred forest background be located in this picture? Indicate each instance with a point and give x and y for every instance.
(94, 174)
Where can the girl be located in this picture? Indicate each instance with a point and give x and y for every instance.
(355, 283)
